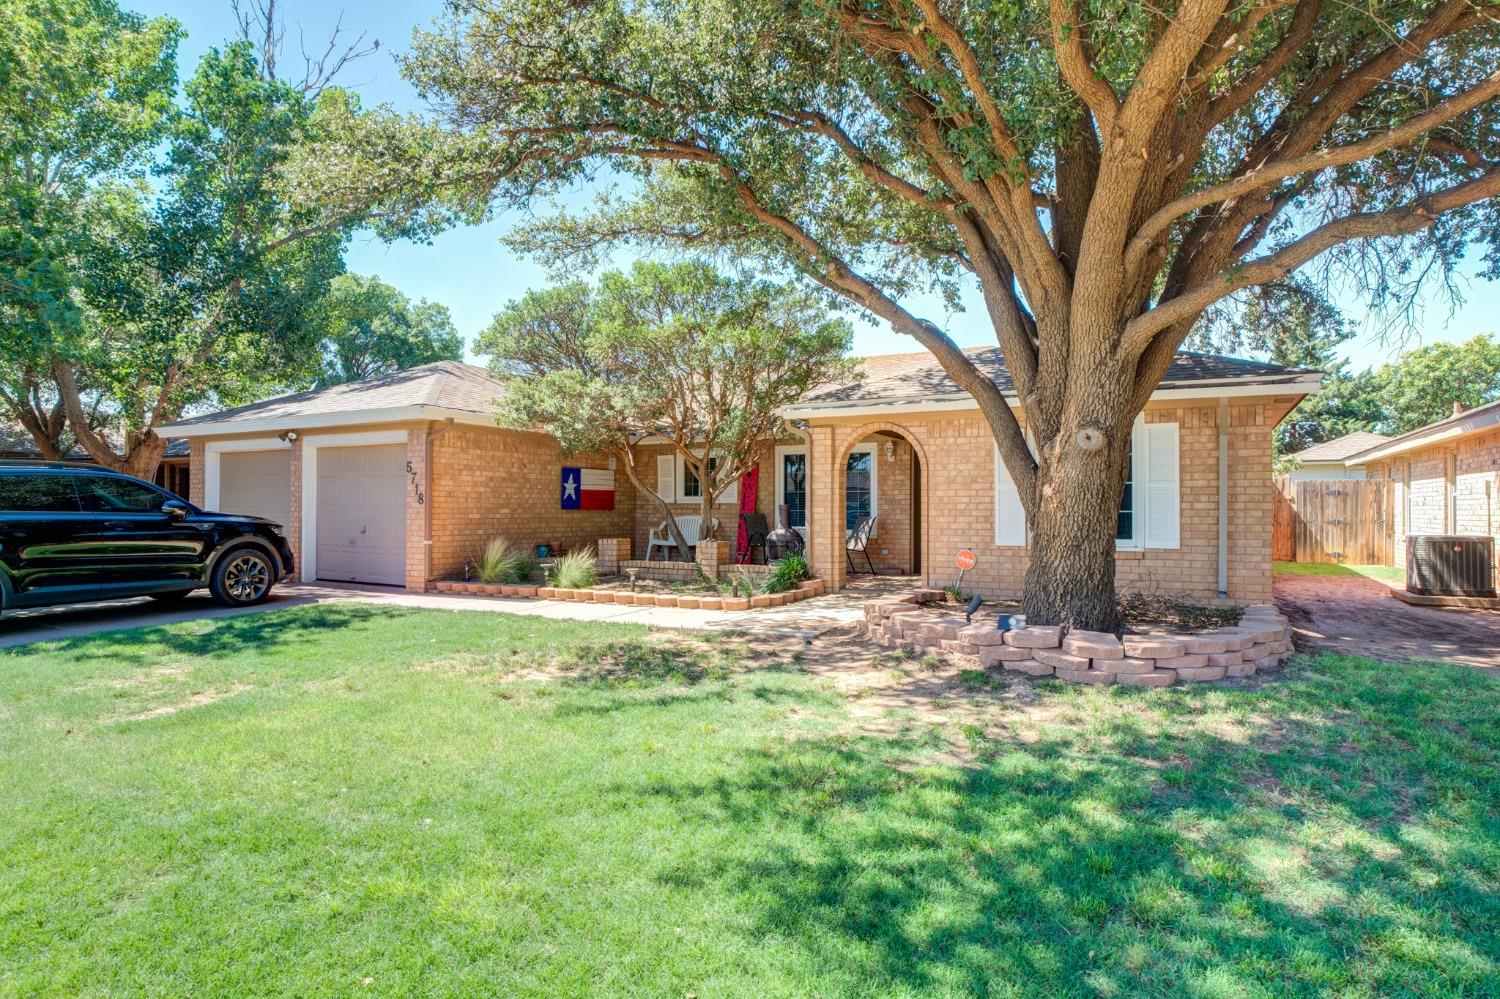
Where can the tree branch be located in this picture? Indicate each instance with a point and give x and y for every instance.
(1394, 222)
(1076, 65)
(1263, 176)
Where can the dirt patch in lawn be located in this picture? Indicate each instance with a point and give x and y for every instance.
(1359, 616)
(195, 700)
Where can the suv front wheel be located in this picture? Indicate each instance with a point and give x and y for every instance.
(242, 577)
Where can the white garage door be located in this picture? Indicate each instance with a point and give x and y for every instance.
(258, 483)
(361, 512)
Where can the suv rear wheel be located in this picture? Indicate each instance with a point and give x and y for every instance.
(242, 577)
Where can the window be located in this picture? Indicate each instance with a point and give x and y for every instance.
(38, 494)
(1150, 503)
(859, 487)
(103, 494)
(691, 487)
(792, 488)
(1125, 524)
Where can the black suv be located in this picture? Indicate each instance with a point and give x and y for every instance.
(71, 532)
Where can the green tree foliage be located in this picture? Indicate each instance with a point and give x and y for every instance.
(1103, 171)
(152, 257)
(673, 351)
(1423, 386)
(370, 328)
(85, 95)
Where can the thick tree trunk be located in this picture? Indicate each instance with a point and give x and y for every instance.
(1070, 579)
(1081, 427)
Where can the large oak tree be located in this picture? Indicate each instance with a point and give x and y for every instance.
(1104, 171)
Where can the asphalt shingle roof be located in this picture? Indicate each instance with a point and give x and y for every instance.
(1341, 447)
(918, 374)
(441, 384)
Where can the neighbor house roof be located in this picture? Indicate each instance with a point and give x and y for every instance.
(888, 379)
(16, 442)
(1471, 421)
(1340, 447)
(429, 391)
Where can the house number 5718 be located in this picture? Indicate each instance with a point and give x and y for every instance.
(411, 475)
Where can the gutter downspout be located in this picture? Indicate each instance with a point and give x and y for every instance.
(432, 435)
(1223, 496)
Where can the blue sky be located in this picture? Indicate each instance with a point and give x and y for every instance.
(473, 274)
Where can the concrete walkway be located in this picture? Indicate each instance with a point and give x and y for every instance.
(804, 619)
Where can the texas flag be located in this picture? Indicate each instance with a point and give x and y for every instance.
(588, 489)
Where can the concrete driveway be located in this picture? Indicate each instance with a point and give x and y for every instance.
(1359, 616)
(803, 619)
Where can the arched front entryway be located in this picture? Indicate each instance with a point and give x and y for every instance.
(876, 469)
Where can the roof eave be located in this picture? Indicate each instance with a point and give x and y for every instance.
(1303, 383)
(1426, 436)
(305, 422)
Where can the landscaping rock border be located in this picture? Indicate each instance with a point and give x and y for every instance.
(600, 595)
(1262, 639)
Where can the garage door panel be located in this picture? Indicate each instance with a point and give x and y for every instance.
(257, 483)
(361, 512)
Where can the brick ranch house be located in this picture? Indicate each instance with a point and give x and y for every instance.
(401, 478)
(1444, 478)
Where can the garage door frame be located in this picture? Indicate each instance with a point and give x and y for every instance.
(310, 448)
(213, 449)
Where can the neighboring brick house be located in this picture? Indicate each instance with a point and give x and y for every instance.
(1444, 477)
(347, 470)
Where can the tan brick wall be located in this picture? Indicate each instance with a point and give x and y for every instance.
(891, 549)
(1422, 481)
(956, 452)
(196, 487)
(727, 510)
(503, 483)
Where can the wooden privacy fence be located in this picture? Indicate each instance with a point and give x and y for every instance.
(1327, 520)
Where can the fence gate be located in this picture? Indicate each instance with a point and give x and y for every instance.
(1326, 520)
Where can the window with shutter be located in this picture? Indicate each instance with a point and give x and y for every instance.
(1149, 506)
(1160, 486)
(666, 478)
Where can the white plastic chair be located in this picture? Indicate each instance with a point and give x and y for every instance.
(660, 537)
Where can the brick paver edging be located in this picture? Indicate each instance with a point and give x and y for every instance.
(1262, 639)
(599, 595)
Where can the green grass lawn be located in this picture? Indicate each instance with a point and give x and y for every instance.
(1384, 573)
(343, 800)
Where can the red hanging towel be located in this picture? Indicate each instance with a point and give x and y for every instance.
(748, 487)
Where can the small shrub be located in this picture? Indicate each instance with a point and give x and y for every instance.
(576, 571)
(955, 594)
(500, 562)
(786, 573)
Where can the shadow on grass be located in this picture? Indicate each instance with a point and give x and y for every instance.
(264, 633)
(1335, 832)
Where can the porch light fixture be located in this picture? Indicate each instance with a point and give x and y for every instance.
(890, 450)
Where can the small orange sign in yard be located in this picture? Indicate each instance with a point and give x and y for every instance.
(965, 560)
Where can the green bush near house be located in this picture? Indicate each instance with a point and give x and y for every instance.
(502, 562)
(576, 570)
(786, 573)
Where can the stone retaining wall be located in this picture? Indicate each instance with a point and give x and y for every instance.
(1262, 639)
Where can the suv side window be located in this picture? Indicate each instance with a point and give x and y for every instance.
(107, 494)
(38, 492)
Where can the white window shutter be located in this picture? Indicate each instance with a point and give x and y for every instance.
(1158, 483)
(666, 477)
(1010, 515)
